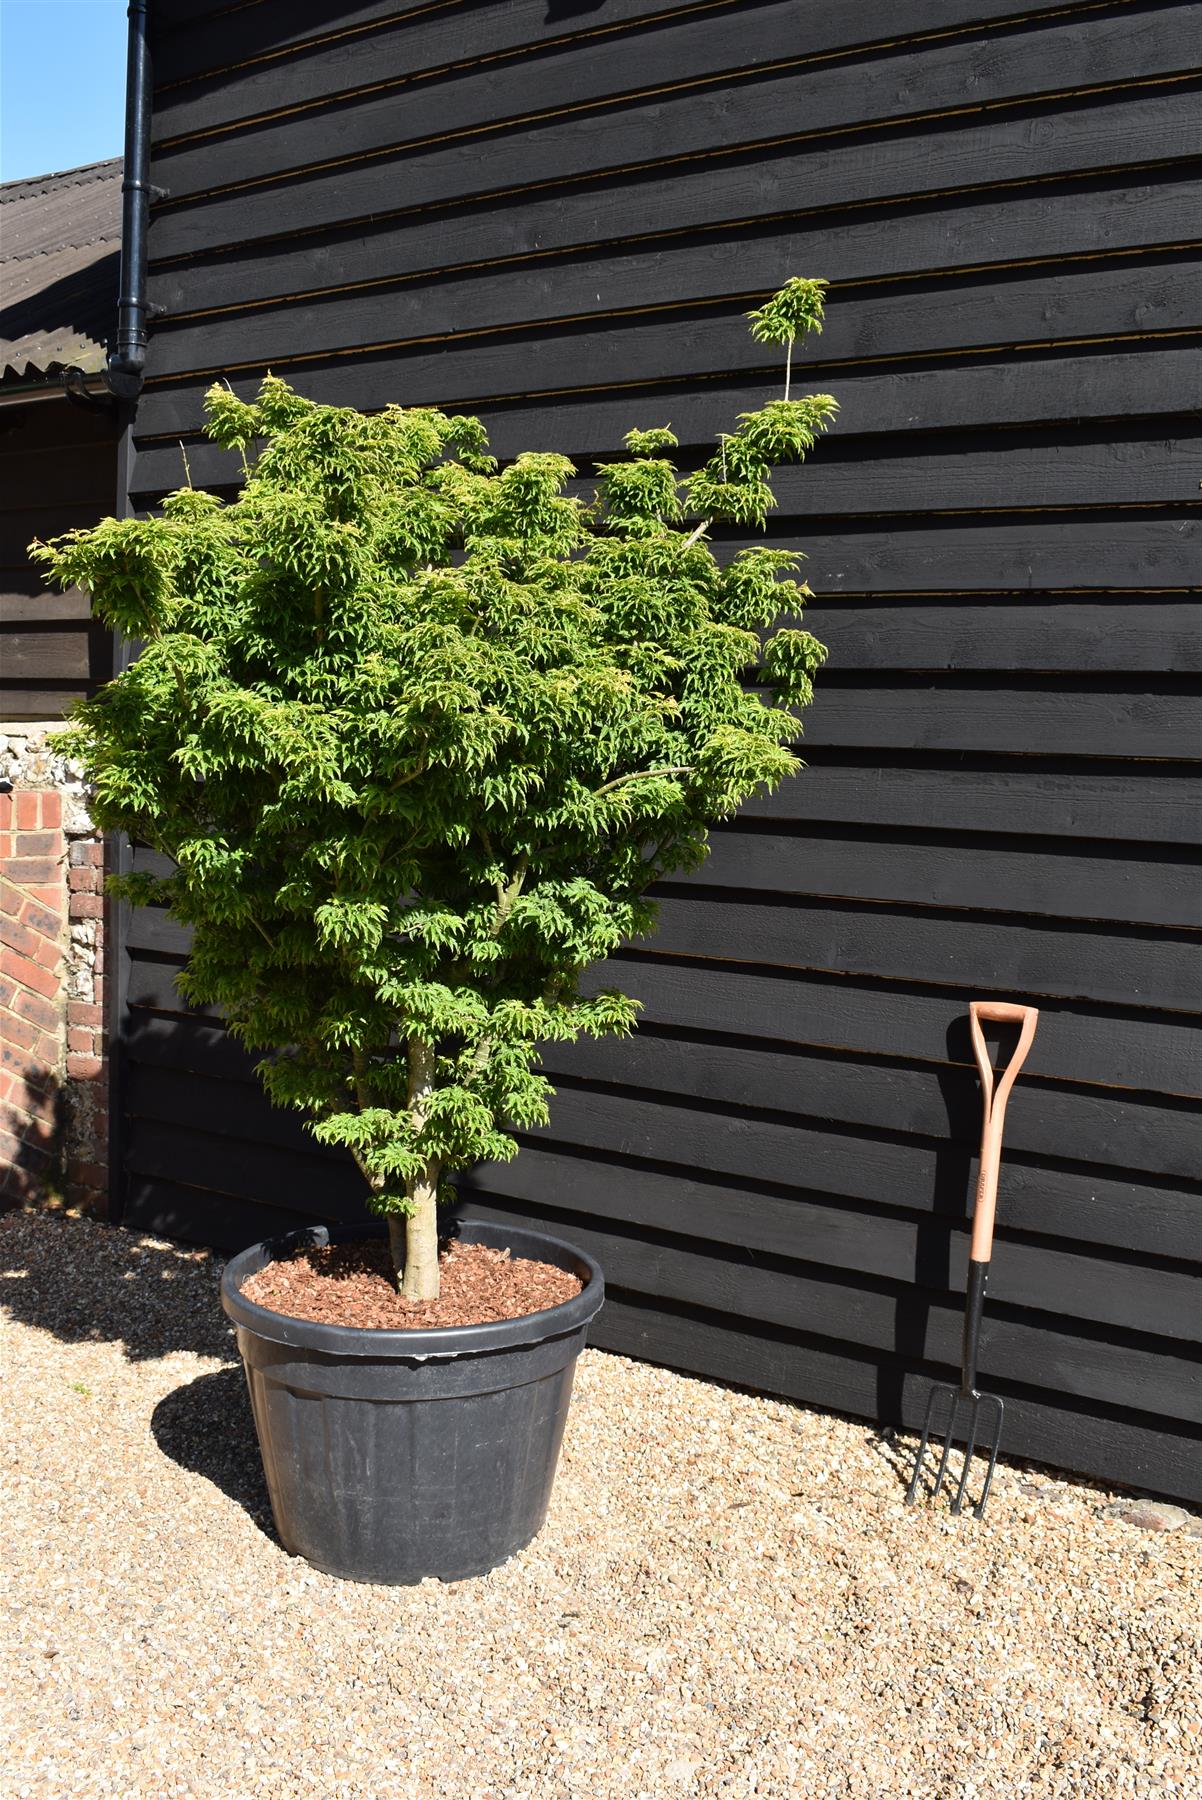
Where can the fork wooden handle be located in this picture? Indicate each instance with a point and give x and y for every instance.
(995, 1096)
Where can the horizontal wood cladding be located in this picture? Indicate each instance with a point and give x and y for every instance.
(556, 217)
(58, 470)
(589, 112)
(319, 58)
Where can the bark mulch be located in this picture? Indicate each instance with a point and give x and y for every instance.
(352, 1284)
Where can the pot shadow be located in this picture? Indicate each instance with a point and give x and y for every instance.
(207, 1427)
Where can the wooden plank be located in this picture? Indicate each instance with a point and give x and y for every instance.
(1000, 955)
(1020, 1342)
(36, 605)
(1158, 1376)
(1136, 1451)
(1113, 803)
(38, 703)
(784, 1221)
(718, 275)
(810, 1227)
(1105, 634)
(1019, 553)
(1017, 470)
(1025, 307)
(760, 1152)
(921, 167)
(193, 1216)
(186, 49)
(994, 874)
(590, 110)
(1157, 1136)
(51, 655)
(959, 394)
(1040, 1196)
(936, 714)
(1116, 1048)
(375, 43)
(19, 528)
(358, 194)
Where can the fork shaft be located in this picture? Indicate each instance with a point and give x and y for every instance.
(974, 1307)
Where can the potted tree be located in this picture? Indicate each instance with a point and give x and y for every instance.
(417, 735)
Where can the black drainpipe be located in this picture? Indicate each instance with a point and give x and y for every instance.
(127, 358)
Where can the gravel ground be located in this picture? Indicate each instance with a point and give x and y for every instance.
(729, 1597)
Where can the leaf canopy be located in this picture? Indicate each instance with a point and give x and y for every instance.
(418, 734)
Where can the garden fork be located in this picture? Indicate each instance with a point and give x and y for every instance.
(967, 1396)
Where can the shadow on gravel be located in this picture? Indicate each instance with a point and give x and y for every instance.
(90, 1283)
(207, 1428)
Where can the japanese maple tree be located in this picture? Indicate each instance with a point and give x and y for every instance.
(418, 733)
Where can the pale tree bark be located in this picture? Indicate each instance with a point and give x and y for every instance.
(419, 1272)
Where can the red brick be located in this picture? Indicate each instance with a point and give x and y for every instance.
(87, 906)
(18, 937)
(7, 990)
(42, 918)
(83, 1012)
(46, 1047)
(86, 854)
(27, 812)
(8, 844)
(49, 954)
(19, 1033)
(83, 1068)
(80, 1037)
(40, 843)
(88, 1174)
(52, 811)
(98, 989)
(31, 871)
(36, 1010)
(53, 896)
(6, 812)
(11, 898)
(28, 974)
(84, 881)
(20, 1146)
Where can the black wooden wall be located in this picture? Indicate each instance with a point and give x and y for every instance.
(58, 469)
(556, 212)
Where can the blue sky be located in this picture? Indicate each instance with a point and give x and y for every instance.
(62, 84)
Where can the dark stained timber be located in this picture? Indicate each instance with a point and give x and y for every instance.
(557, 219)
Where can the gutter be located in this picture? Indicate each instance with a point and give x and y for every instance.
(127, 358)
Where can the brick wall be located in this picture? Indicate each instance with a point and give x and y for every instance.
(53, 1068)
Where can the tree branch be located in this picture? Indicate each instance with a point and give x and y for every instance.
(640, 775)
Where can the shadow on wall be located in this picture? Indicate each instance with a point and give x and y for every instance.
(33, 1120)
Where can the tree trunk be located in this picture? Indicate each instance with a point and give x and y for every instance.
(419, 1276)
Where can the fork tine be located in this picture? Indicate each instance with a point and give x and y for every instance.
(958, 1502)
(993, 1453)
(920, 1459)
(948, 1441)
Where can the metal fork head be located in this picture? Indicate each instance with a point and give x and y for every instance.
(969, 1404)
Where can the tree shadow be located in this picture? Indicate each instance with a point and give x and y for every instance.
(85, 1282)
(207, 1427)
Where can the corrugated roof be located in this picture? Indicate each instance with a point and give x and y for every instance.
(60, 247)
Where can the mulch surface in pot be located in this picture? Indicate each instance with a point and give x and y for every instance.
(352, 1284)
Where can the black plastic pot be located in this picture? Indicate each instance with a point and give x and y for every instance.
(393, 1455)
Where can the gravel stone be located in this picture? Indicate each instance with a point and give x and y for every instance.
(1150, 1515)
(729, 1598)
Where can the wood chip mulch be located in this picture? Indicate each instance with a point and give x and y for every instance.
(352, 1284)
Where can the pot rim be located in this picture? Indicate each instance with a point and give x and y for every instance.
(388, 1343)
